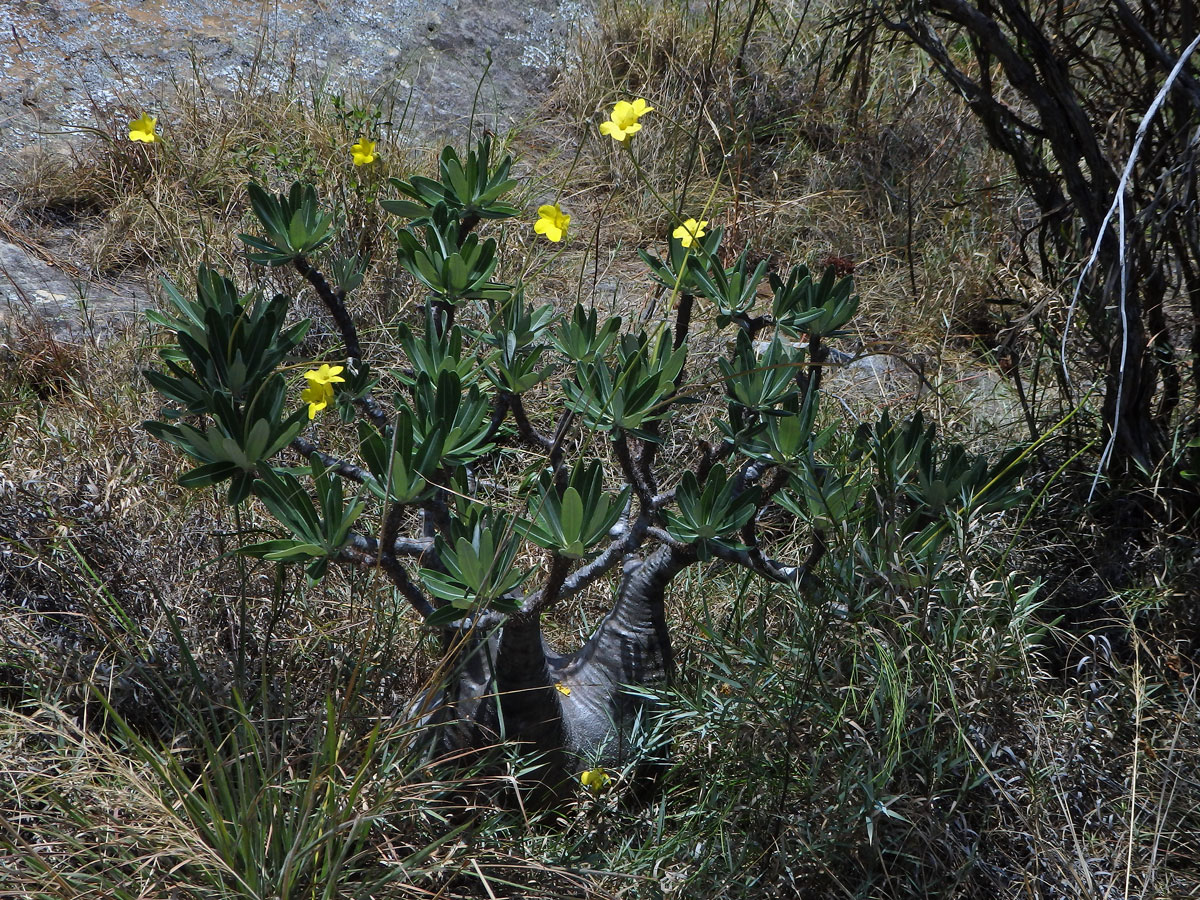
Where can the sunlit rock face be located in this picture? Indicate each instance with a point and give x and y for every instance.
(68, 67)
(70, 63)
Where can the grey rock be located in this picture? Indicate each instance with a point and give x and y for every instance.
(71, 63)
(32, 289)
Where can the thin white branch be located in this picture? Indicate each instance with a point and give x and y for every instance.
(1118, 207)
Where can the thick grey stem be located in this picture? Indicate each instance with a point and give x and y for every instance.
(631, 646)
(578, 709)
(528, 700)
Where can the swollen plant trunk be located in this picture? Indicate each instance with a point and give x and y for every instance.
(631, 648)
(577, 711)
(501, 692)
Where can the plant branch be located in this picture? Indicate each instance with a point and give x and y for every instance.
(633, 473)
(664, 537)
(411, 547)
(500, 407)
(753, 325)
(747, 476)
(1154, 50)
(551, 591)
(525, 428)
(609, 557)
(437, 514)
(683, 320)
(338, 466)
(816, 363)
(396, 574)
(334, 303)
(799, 577)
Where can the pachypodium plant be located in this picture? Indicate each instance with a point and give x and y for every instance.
(429, 497)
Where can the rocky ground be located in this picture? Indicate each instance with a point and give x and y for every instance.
(70, 65)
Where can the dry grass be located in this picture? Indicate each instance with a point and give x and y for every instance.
(1053, 769)
(803, 165)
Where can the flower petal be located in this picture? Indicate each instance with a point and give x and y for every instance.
(142, 129)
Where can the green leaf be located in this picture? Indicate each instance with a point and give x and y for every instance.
(206, 475)
(298, 550)
(406, 208)
(260, 550)
(572, 514)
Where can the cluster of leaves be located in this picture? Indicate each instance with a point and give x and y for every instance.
(801, 305)
(578, 518)
(320, 529)
(449, 410)
(224, 364)
(295, 225)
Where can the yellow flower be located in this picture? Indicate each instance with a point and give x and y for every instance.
(319, 392)
(317, 396)
(624, 121)
(143, 129)
(364, 152)
(690, 232)
(327, 374)
(595, 780)
(552, 222)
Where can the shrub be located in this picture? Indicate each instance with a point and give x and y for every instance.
(521, 454)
